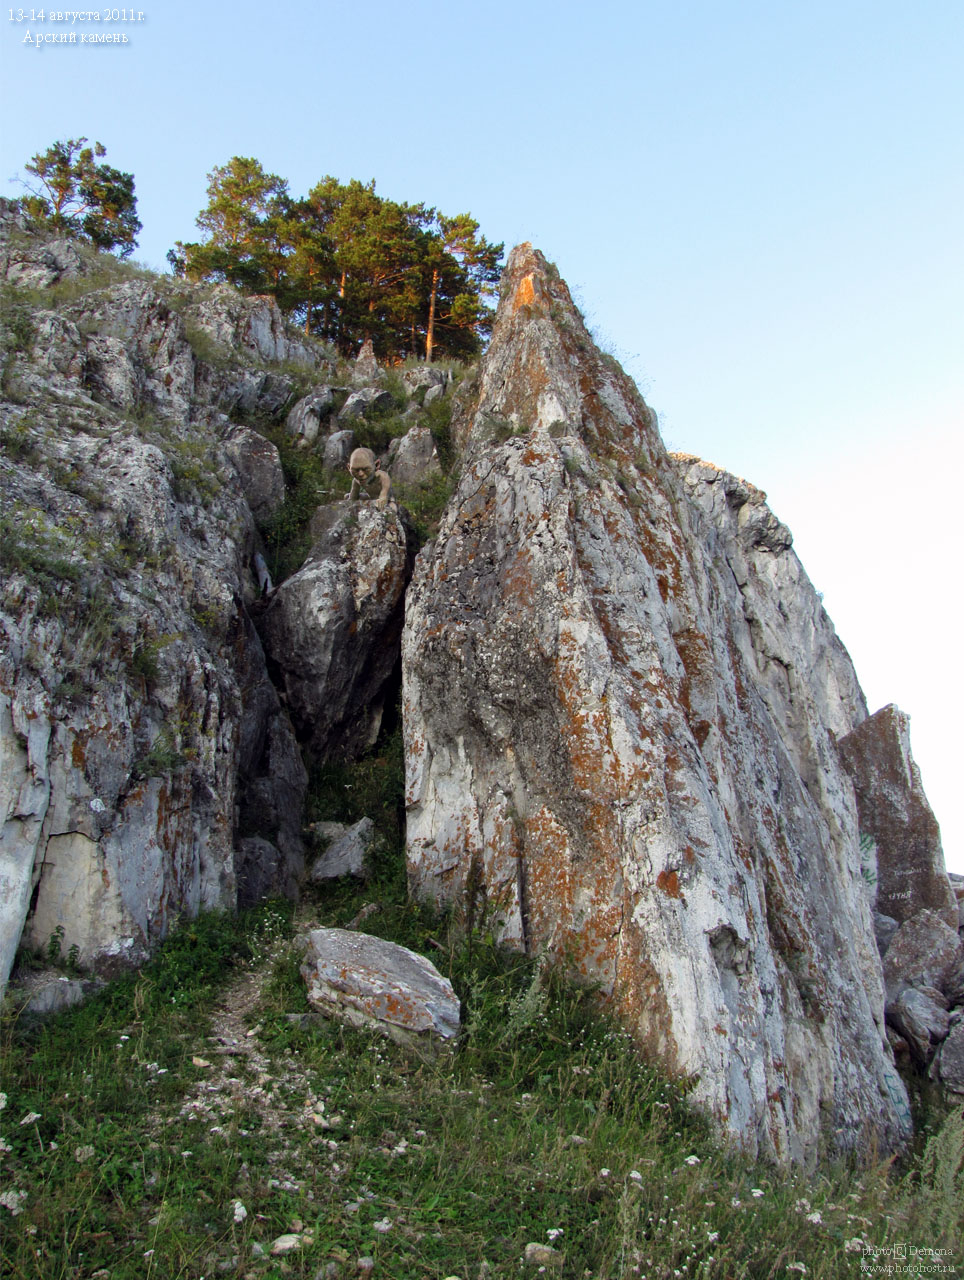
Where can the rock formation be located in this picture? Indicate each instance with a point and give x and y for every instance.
(621, 704)
(633, 741)
(894, 813)
(332, 630)
(141, 741)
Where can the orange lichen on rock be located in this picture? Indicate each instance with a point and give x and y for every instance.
(668, 881)
(525, 294)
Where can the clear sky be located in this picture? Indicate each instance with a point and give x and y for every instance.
(758, 206)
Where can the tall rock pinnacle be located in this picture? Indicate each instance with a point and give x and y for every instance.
(621, 700)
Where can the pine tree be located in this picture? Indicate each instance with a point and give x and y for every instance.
(77, 196)
(347, 263)
(246, 221)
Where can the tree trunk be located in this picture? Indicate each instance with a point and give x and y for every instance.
(430, 330)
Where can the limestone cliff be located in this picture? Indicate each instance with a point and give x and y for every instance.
(141, 740)
(633, 740)
(621, 704)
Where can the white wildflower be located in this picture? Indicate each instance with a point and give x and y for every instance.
(3, 1101)
(797, 1266)
(635, 1175)
(712, 1236)
(382, 1226)
(240, 1212)
(554, 1233)
(13, 1200)
(815, 1217)
(802, 1206)
(604, 1173)
(692, 1160)
(30, 1117)
(756, 1193)
(856, 1245)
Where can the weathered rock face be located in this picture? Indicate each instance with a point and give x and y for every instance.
(621, 697)
(332, 629)
(141, 739)
(895, 814)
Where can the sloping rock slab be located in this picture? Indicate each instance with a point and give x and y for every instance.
(368, 982)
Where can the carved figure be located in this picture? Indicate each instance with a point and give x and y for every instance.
(365, 473)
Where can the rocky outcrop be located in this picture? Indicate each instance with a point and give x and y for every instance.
(332, 629)
(916, 911)
(621, 704)
(894, 813)
(143, 745)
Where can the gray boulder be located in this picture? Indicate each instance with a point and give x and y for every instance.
(338, 449)
(305, 419)
(347, 855)
(948, 1066)
(364, 403)
(366, 981)
(921, 1020)
(413, 457)
(924, 952)
(425, 376)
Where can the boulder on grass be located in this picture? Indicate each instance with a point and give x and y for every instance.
(368, 982)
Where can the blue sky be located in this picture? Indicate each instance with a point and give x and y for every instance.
(758, 206)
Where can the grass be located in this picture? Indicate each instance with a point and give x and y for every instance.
(149, 1135)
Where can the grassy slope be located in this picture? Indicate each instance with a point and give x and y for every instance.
(184, 1120)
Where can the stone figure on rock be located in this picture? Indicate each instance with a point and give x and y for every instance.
(366, 473)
